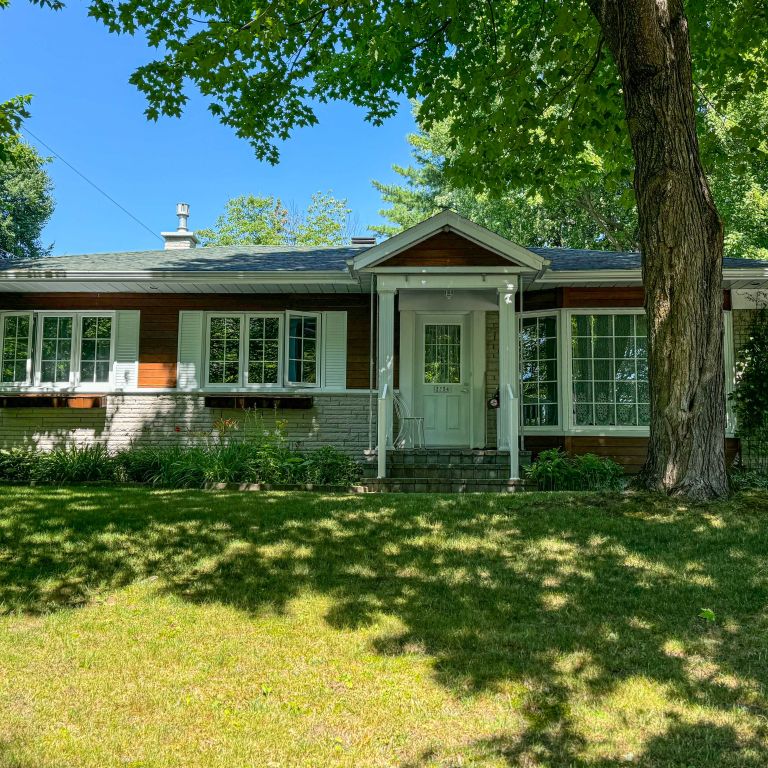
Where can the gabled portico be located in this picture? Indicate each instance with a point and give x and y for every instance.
(442, 277)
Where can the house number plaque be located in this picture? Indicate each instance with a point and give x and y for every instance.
(441, 388)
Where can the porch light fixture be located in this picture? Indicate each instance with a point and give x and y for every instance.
(449, 293)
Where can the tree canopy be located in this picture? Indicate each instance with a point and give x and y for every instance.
(264, 220)
(528, 85)
(26, 202)
(584, 214)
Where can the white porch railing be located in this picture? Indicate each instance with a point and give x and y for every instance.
(513, 427)
(382, 425)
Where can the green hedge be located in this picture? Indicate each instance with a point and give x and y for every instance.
(181, 466)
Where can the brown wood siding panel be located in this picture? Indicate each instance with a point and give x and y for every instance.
(535, 301)
(603, 298)
(446, 249)
(630, 452)
(158, 335)
(607, 298)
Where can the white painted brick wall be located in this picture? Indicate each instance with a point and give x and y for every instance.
(340, 420)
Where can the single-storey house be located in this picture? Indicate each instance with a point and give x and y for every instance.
(445, 336)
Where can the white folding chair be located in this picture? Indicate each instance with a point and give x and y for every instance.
(411, 428)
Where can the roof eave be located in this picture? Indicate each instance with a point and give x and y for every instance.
(166, 276)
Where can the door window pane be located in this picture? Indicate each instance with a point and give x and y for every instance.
(56, 350)
(224, 350)
(610, 372)
(442, 353)
(263, 350)
(302, 349)
(538, 352)
(16, 341)
(95, 349)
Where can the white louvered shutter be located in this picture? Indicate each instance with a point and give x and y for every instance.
(190, 364)
(127, 349)
(335, 350)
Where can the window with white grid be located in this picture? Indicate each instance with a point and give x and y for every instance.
(610, 370)
(16, 341)
(538, 356)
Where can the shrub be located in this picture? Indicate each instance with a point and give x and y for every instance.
(330, 466)
(172, 467)
(555, 470)
(17, 465)
(74, 465)
(748, 479)
(750, 398)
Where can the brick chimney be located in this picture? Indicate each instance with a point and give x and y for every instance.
(182, 237)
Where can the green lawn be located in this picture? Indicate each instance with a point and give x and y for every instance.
(151, 628)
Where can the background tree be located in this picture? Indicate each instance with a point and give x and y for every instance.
(26, 202)
(530, 88)
(253, 220)
(587, 213)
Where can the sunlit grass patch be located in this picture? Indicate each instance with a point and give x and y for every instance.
(174, 628)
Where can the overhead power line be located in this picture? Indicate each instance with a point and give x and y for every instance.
(93, 184)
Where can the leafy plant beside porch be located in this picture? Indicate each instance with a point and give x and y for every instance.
(750, 397)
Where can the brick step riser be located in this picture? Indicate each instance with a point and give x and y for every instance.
(394, 485)
(438, 473)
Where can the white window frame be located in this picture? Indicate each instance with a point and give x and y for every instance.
(74, 383)
(544, 428)
(283, 383)
(209, 316)
(280, 354)
(30, 349)
(592, 429)
(318, 350)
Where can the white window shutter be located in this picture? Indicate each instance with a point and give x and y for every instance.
(190, 366)
(334, 332)
(127, 349)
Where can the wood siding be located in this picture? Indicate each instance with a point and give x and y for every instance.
(158, 335)
(630, 452)
(446, 249)
(591, 298)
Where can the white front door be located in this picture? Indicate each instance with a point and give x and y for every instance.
(442, 391)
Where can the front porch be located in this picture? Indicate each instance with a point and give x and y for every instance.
(436, 287)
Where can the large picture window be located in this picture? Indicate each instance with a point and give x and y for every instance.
(538, 353)
(610, 370)
(258, 349)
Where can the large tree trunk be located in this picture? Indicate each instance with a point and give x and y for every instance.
(681, 239)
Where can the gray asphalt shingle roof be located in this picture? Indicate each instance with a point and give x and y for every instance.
(297, 259)
(566, 259)
(251, 258)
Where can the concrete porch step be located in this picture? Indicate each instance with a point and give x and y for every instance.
(438, 485)
(449, 465)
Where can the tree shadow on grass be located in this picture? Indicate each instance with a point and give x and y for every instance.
(564, 596)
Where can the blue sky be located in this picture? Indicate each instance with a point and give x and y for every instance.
(86, 111)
